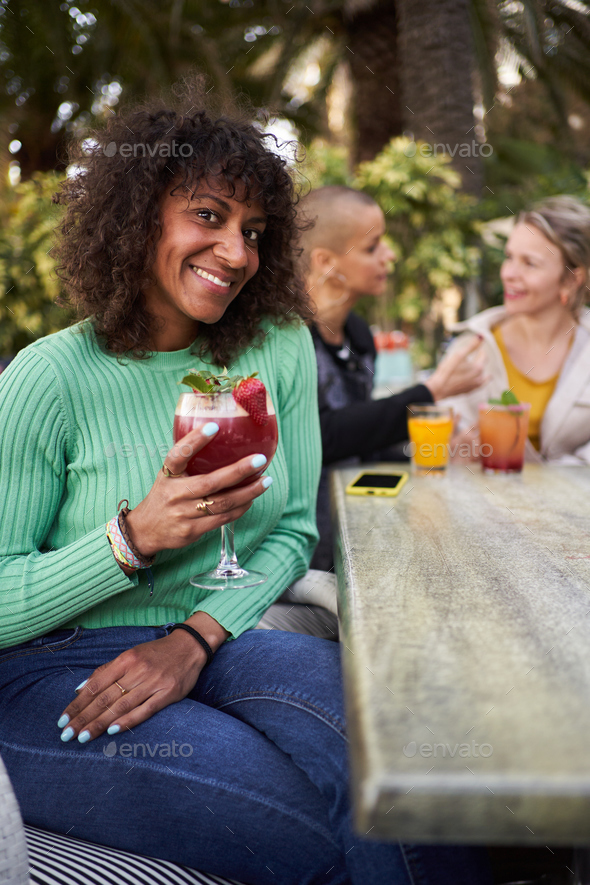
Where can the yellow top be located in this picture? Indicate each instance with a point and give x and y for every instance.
(537, 393)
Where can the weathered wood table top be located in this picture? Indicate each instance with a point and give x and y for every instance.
(465, 607)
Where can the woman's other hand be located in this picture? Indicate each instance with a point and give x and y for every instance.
(153, 675)
(460, 372)
(173, 515)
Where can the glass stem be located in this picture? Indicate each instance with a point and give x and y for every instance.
(228, 554)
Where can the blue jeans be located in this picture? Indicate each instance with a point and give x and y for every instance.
(246, 777)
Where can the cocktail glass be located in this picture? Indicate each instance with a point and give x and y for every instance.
(430, 428)
(502, 436)
(238, 436)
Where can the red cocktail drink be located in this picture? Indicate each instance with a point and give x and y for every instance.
(503, 434)
(239, 435)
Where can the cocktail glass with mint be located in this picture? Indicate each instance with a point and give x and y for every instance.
(503, 429)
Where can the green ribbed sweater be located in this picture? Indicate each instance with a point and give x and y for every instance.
(79, 431)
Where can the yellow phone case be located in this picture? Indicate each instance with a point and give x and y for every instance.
(375, 491)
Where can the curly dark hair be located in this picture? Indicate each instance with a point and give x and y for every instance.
(110, 231)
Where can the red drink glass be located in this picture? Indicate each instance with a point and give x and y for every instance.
(502, 436)
(238, 436)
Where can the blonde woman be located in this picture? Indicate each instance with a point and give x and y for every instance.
(537, 343)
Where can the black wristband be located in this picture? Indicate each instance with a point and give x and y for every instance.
(202, 642)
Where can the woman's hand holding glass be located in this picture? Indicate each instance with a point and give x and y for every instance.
(169, 517)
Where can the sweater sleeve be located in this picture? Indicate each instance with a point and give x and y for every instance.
(286, 551)
(41, 588)
(367, 427)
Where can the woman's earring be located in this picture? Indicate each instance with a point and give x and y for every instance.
(330, 274)
(564, 299)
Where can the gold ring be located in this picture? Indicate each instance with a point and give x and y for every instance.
(203, 506)
(167, 472)
(123, 690)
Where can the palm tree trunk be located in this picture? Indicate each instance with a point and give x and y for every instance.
(436, 69)
(371, 49)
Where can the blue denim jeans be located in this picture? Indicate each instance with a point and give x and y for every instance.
(246, 777)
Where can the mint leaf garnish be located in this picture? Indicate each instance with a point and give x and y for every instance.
(198, 381)
(507, 399)
(206, 382)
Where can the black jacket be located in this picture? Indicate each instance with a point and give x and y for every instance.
(354, 427)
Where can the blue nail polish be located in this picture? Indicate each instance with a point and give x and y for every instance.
(84, 736)
(68, 734)
(81, 686)
(113, 729)
(210, 428)
(267, 482)
(63, 720)
(258, 461)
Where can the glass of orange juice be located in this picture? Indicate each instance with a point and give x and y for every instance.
(430, 428)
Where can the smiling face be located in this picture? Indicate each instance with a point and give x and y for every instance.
(207, 252)
(366, 259)
(533, 273)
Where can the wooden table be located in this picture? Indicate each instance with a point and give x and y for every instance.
(465, 607)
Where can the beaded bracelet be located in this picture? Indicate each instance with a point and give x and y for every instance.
(144, 561)
(117, 553)
(120, 546)
(124, 551)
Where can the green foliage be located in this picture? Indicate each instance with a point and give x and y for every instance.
(325, 164)
(28, 284)
(520, 172)
(551, 39)
(428, 222)
(57, 60)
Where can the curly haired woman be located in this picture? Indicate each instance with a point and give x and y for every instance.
(177, 249)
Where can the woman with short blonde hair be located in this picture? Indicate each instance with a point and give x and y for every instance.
(538, 342)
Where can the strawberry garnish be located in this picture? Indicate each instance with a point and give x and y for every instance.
(250, 394)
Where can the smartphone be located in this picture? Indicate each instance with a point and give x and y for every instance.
(368, 483)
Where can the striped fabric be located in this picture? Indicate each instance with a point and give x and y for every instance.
(61, 860)
(312, 620)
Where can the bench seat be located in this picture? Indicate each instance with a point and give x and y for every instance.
(61, 860)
